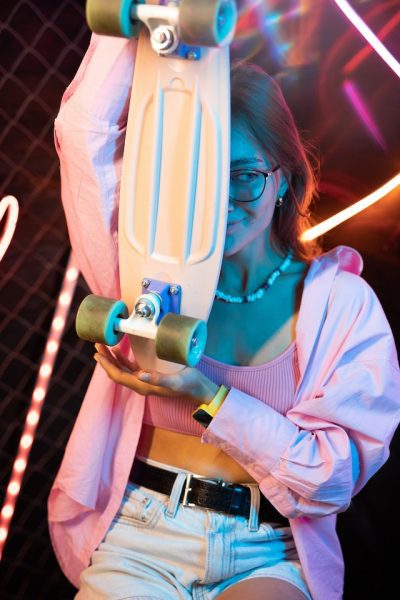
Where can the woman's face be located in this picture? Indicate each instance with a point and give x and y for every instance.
(248, 221)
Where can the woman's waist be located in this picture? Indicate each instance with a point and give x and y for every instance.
(189, 453)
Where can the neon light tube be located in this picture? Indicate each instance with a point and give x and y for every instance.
(38, 396)
(369, 35)
(352, 210)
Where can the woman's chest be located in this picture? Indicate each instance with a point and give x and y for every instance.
(253, 333)
(248, 338)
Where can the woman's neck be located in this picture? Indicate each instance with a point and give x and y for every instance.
(245, 271)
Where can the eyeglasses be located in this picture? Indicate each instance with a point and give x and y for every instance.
(248, 185)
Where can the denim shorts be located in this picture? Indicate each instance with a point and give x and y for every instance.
(160, 549)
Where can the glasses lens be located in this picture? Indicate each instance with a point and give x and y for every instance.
(246, 185)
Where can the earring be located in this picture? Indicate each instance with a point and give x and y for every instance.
(279, 202)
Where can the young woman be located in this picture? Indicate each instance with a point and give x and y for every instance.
(300, 379)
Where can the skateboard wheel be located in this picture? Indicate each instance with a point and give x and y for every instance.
(207, 23)
(96, 319)
(112, 17)
(181, 339)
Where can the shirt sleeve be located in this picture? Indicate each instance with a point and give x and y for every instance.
(311, 461)
(89, 138)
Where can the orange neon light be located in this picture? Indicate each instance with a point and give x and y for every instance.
(352, 210)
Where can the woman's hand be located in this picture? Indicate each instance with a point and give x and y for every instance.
(188, 382)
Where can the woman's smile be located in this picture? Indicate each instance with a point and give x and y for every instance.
(231, 227)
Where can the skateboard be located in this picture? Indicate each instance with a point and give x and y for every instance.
(175, 179)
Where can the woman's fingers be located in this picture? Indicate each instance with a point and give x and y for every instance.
(105, 357)
(118, 373)
(103, 350)
(133, 366)
(188, 381)
(115, 356)
(106, 353)
(124, 376)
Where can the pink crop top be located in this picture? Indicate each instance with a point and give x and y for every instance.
(273, 383)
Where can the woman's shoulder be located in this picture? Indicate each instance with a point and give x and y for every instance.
(343, 257)
(341, 270)
(352, 290)
(344, 264)
(352, 295)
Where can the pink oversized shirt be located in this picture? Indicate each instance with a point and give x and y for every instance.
(308, 462)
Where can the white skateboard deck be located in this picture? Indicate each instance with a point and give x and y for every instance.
(175, 182)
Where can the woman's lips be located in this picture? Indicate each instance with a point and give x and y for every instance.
(232, 226)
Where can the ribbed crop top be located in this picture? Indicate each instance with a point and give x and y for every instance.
(273, 383)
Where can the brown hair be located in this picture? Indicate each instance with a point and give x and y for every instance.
(258, 103)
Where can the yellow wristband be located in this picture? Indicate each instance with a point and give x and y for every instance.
(212, 408)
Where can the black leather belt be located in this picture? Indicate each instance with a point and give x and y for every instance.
(230, 498)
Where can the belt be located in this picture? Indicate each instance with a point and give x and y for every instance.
(230, 498)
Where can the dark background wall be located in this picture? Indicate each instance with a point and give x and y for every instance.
(308, 46)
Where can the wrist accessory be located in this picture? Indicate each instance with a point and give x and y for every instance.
(205, 412)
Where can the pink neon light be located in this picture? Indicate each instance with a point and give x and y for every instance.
(8, 205)
(361, 108)
(38, 396)
(371, 38)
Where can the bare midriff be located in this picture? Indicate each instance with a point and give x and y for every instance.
(187, 452)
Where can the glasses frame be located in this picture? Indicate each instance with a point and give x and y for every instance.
(266, 174)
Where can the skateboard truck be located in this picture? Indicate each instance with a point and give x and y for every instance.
(177, 27)
(157, 299)
(162, 22)
(167, 295)
(178, 338)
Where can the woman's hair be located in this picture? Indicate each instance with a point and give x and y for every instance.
(258, 103)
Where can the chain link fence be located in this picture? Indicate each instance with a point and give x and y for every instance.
(41, 45)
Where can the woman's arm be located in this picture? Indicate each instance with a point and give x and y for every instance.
(305, 462)
(89, 138)
(311, 461)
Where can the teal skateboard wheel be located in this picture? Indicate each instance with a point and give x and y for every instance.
(112, 17)
(97, 319)
(207, 23)
(181, 339)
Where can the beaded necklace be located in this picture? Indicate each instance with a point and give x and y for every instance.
(261, 290)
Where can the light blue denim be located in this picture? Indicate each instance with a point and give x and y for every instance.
(158, 549)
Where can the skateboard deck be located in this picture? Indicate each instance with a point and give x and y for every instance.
(174, 199)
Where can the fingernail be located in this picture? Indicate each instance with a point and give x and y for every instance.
(144, 377)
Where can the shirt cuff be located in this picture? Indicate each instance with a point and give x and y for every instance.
(251, 432)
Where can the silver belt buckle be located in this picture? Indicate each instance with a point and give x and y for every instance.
(188, 481)
(187, 490)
